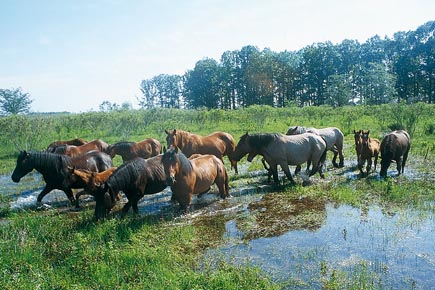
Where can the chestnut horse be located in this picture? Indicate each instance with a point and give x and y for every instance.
(284, 150)
(77, 142)
(196, 176)
(88, 180)
(72, 150)
(128, 150)
(218, 144)
(395, 146)
(367, 148)
(54, 168)
(333, 137)
(135, 178)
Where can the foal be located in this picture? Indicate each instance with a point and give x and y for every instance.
(367, 148)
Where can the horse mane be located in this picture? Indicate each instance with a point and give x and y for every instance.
(261, 140)
(185, 165)
(126, 174)
(123, 145)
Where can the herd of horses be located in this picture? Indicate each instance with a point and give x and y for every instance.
(193, 163)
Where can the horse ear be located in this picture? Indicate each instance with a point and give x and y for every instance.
(368, 132)
(166, 131)
(176, 149)
(164, 149)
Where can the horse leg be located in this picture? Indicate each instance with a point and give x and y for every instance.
(287, 173)
(269, 171)
(369, 166)
(43, 193)
(317, 167)
(298, 169)
(234, 165)
(70, 195)
(334, 159)
(274, 169)
(399, 165)
(77, 198)
(361, 165)
(405, 157)
(376, 160)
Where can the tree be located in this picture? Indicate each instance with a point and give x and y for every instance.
(14, 101)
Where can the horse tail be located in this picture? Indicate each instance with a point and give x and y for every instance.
(323, 157)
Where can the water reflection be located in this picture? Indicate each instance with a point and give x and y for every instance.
(397, 247)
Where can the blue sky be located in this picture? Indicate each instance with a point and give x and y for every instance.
(71, 55)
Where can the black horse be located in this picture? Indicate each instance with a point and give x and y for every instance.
(54, 168)
(135, 178)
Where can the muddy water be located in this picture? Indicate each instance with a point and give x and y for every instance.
(298, 239)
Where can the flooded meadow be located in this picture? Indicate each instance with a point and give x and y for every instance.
(294, 237)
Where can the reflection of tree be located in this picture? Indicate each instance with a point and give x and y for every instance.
(278, 213)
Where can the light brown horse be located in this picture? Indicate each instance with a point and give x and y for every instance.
(87, 179)
(193, 177)
(77, 142)
(218, 144)
(395, 146)
(72, 150)
(284, 150)
(367, 148)
(129, 150)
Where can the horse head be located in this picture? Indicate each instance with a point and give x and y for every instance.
(24, 166)
(365, 138)
(172, 138)
(170, 164)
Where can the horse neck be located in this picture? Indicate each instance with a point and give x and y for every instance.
(182, 139)
(46, 163)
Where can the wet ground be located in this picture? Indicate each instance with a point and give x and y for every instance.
(293, 238)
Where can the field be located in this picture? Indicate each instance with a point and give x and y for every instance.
(212, 247)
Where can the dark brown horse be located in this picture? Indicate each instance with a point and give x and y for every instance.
(86, 179)
(357, 136)
(367, 148)
(55, 144)
(284, 150)
(193, 177)
(395, 146)
(218, 144)
(72, 150)
(129, 150)
(135, 178)
(54, 168)
(333, 137)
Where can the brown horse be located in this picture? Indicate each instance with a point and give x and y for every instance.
(395, 146)
(135, 178)
(77, 142)
(72, 150)
(129, 150)
(367, 148)
(54, 168)
(357, 136)
(88, 180)
(333, 137)
(196, 176)
(218, 144)
(284, 150)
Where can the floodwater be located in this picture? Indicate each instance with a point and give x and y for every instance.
(293, 239)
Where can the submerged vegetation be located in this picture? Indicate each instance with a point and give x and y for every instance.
(68, 250)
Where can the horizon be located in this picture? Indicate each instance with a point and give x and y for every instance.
(72, 56)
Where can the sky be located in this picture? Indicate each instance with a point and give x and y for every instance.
(72, 55)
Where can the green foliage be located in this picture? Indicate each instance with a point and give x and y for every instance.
(14, 101)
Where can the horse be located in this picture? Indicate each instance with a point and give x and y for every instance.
(357, 136)
(72, 150)
(367, 148)
(334, 139)
(284, 150)
(77, 142)
(188, 177)
(217, 143)
(54, 168)
(395, 146)
(86, 179)
(135, 178)
(128, 150)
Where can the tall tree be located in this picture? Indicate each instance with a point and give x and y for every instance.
(14, 101)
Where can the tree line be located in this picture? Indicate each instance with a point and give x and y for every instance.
(378, 71)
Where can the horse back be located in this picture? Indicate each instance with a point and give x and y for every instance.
(207, 168)
(93, 160)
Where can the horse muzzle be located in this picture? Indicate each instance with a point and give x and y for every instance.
(170, 180)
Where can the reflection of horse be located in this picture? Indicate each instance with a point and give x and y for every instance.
(196, 176)
(54, 168)
(367, 148)
(218, 144)
(72, 150)
(395, 146)
(129, 150)
(135, 178)
(88, 180)
(334, 139)
(283, 150)
(55, 144)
